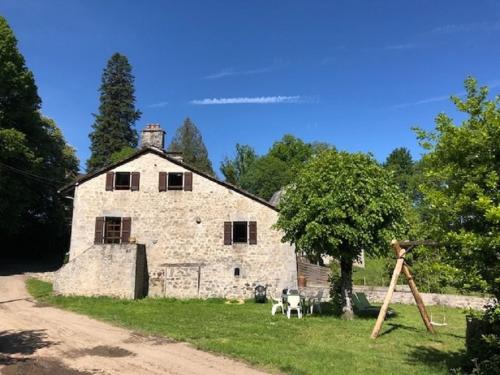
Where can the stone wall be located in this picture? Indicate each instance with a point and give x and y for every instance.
(179, 227)
(109, 270)
(404, 295)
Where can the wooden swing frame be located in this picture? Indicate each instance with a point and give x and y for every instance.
(400, 249)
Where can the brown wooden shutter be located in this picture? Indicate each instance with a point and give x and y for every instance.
(162, 186)
(188, 181)
(252, 229)
(135, 178)
(110, 177)
(99, 230)
(227, 233)
(126, 226)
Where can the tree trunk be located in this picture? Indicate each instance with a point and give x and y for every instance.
(346, 287)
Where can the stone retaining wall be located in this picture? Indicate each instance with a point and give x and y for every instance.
(103, 270)
(404, 295)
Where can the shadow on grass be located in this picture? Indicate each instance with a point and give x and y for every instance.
(393, 327)
(437, 358)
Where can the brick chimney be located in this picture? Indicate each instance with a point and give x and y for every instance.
(153, 136)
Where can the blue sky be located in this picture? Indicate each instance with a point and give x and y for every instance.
(357, 74)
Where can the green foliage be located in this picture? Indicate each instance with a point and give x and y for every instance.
(483, 341)
(339, 204)
(264, 175)
(113, 128)
(401, 164)
(188, 140)
(234, 169)
(122, 154)
(34, 161)
(461, 188)
(317, 344)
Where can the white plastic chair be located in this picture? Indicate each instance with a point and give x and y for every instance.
(294, 304)
(315, 302)
(277, 304)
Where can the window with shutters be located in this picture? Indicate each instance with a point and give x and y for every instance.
(122, 180)
(112, 230)
(175, 181)
(240, 232)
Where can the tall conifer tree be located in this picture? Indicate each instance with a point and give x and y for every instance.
(113, 128)
(188, 140)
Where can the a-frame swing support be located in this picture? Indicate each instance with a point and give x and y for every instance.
(400, 249)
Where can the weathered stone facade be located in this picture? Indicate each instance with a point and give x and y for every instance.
(110, 270)
(183, 232)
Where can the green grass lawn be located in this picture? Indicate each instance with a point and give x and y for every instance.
(314, 345)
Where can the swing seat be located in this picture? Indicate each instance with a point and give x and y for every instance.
(436, 324)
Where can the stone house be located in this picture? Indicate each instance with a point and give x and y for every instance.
(153, 225)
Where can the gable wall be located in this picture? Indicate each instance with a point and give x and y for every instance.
(166, 223)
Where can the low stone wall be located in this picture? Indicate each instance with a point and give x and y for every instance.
(104, 270)
(44, 276)
(404, 295)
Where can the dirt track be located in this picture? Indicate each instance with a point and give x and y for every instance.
(43, 340)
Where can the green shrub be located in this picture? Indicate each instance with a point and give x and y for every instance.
(483, 341)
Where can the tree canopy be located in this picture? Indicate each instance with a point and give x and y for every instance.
(338, 205)
(189, 141)
(234, 169)
(34, 160)
(266, 174)
(401, 164)
(461, 188)
(113, 128)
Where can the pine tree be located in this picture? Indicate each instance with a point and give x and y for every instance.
(188, 140)
(113, 128)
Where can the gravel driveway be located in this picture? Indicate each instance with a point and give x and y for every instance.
(36, 339)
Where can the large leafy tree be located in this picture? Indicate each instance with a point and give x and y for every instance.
(113, 128)
(339, 204)
(34, 160)
(234, 169)
(188, 140)
(461, 188)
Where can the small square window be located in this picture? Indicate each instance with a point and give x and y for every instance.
(240, 232)
(122, 180)
(237, 272)
(175, 181)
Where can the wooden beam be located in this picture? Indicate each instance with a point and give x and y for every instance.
(394, 280)
(401, 266)
(418, 299)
